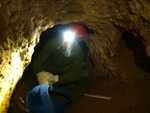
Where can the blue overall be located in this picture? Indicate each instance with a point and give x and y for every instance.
(39, 100)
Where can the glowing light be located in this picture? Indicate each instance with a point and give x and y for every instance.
(68, 49)
(12, 73)
(69, 36)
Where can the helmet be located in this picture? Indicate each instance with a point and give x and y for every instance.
(79, 31)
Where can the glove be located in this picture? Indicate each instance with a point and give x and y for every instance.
(47, 78)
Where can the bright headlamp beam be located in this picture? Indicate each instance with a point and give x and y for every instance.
(69, 36)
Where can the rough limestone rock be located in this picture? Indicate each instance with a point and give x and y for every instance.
(22, 21)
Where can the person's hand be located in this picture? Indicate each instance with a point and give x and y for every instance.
(56, 78)
(47, 78)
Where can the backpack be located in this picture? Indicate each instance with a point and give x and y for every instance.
(40, 101)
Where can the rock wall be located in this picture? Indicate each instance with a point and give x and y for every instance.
(22, 21)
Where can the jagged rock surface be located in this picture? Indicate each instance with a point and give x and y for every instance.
(22, 21)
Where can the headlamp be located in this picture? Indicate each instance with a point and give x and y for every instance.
(69, 36)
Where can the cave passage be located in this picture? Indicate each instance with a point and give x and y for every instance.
(128, 96)
(54, 32)
(57, 31)
(139, 51)
(29, 80)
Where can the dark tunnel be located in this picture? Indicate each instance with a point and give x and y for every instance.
(56, 31)
(138, 49)
(30, 77)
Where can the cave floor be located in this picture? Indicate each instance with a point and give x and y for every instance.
(130, 94)
(127, 96)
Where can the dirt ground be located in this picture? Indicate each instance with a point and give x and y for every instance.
(130, 93)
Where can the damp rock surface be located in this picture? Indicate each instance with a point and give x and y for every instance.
(21, 23)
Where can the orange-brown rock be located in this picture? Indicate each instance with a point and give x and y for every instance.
(22, 21)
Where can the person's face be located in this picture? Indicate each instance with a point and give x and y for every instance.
(69, 44)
